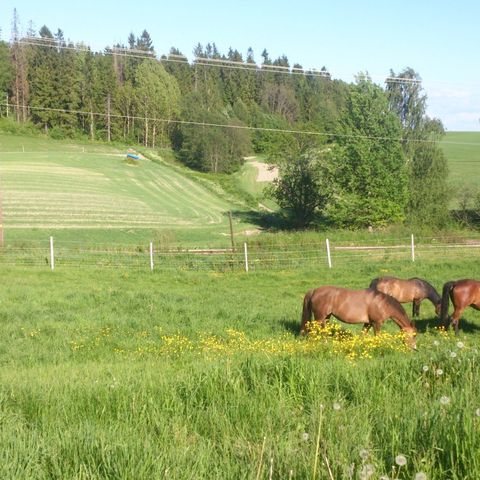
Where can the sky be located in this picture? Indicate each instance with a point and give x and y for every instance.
(439, 39)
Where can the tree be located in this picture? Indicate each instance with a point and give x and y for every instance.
(371, 174)
(304, 187)
(209, 148)
(6, 73)
(21, 87)
(158, 95)
(428, 169)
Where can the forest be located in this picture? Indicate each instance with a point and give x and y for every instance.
(341, 147)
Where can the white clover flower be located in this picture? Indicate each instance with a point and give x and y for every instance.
(477, 412)
(453, 354)
(420, 476)
(460, 345)
(436, 343)
(305, 436)
(439, 371)
(336, 406)
(384, 477)
(425, 368)
(444, 400)
(401, 460)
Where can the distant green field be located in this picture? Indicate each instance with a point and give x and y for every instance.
(59, 188)
(463, 153)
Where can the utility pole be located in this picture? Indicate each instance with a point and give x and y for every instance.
(231, 230)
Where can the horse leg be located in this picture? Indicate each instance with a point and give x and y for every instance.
(416, 307)
(457, 313)
(366, 328)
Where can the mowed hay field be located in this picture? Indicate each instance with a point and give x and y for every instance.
(75, 191)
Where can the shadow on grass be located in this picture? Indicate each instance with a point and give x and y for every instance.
(263, 219)
(291, 326)
(425, 324)
(277, 220)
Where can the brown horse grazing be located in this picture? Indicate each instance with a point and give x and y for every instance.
(369, 307)
(463, 293)
(412, 290)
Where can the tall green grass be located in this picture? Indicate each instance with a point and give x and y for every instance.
(117, 409)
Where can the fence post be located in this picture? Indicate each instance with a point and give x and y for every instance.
(245, 252)
(329, 257)
(52, 257)
(151, 256)
(413, 248)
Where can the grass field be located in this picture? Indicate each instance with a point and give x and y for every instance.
(55, 187)
(462, 150)
(179, 374)
(119, 374)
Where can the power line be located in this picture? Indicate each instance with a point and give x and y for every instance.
(204, 61)
(222, 125)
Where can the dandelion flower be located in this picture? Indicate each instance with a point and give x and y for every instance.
(460, 344)
(363, 453)
(439, 371)
(401, 460)
(444, 400)
(367, 471)
(336, 406)
(425, 368)
(420, 476)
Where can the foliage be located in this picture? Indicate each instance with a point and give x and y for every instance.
(428, 170)
(304, 186)
(371, 175)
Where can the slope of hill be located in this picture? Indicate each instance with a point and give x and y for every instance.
(64, 188)
(463, 153)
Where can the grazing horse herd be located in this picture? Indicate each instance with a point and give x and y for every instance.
(383, 299)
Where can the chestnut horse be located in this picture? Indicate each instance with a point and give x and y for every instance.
(412, 290)
(369, 307)
(463, 293)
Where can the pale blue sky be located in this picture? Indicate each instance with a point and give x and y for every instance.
(439, 39)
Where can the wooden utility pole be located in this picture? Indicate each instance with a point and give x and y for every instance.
(231, 231)
(108, 119)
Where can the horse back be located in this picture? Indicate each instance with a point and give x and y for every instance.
(465, 292)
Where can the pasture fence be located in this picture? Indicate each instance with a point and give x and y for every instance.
(256, 255)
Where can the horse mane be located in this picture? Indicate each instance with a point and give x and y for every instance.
(396, 305)
(432, 291)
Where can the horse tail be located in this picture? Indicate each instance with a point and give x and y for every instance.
(374, 283)
(447, 288)
(307, 310)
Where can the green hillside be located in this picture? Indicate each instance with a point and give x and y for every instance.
(463, 153)
(69, 190)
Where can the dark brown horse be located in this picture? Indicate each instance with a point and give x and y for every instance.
(369, 307)
(463, 293)
(412, 290)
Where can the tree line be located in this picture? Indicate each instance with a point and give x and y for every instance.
(356, 154)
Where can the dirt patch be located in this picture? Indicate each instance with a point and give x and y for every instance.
(266, 172)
